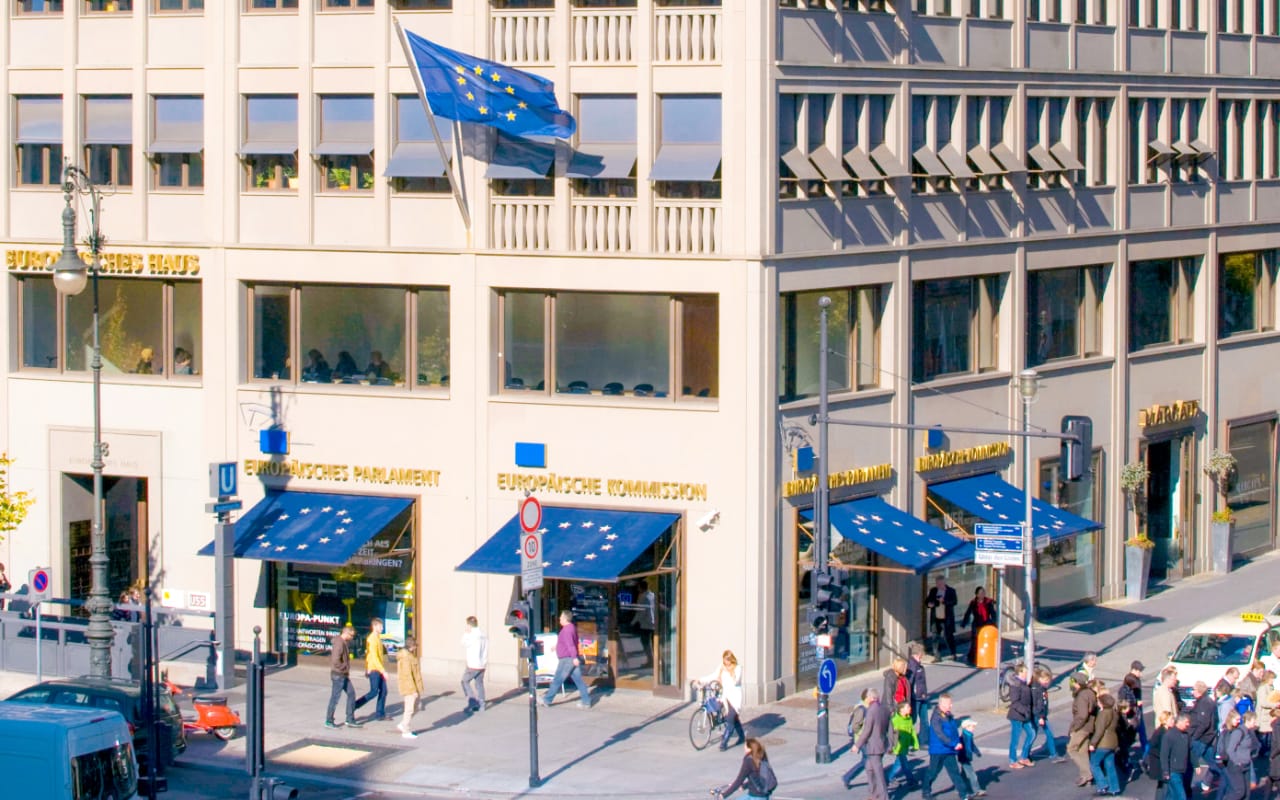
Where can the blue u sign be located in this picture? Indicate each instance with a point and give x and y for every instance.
(222, 479)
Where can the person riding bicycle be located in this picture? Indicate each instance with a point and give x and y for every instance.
(729, 675)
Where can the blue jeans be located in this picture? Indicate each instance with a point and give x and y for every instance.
(1102, 762)
(1018, 731)
(378, 691)
(568, 669)
(1050, 741)
(848, 776)
(340, 684)
(1176, 787)
(900, 766)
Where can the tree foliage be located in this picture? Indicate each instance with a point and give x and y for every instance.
(13, 505)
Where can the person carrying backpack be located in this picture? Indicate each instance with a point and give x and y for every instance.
(755, 775)
(856, 720)
(1241, 746)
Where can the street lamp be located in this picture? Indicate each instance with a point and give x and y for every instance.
(70, 275)
(1028, 385)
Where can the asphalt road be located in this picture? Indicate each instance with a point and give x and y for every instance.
(201, 784)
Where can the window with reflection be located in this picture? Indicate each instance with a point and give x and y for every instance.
(38, 140)
(851, 634)
(271, 5)
(39, 6)
(1161, 296)
(422, 5)
(177, 144)
(1069, 567)
(178, 6)
(270, 146)
(350, 335)
(108, 140)
(1064, 313)
(853, 337)
(345, 149)
(108, 6)
(1246, 293)
(955, 322)
(416, 166)
(146, 327)
(610, 344)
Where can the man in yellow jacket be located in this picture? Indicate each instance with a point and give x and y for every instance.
(375, 666)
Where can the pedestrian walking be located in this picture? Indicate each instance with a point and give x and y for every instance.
(409, 680)
(1151, 760)
(475, 648)
(1203, 730)
(340, 677)
(1273, 770)
(944, 748)
(755, 775)
(1131, 691)
(1102, 749)
(1126, 735)
(1040, 682)
(1240, 749)
(1268, 702)
(1163, 697)
(1175, 758)
(1020, 718)
(941, 602)
(375, 667)
(980, 613)
(1252, 680)
(904, 741)
(919, 684)
(857, 719)
(569, 666)
(967, 754)
(897, 689)
(1084, 707)
(1089, 665)
(873, 743)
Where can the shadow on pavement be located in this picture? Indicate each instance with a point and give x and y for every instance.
(764, 724)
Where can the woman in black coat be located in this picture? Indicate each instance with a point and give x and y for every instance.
(1020, 717)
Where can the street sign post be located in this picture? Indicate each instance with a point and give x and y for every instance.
(223, 485)
(530, 544)
(39, 589)
(827, 676)
(997, 544)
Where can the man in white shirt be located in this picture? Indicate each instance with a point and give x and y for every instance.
(476, 646)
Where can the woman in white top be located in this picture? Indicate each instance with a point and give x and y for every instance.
(729, 675)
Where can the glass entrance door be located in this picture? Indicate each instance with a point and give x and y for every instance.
(1170, 505)
(124, 524)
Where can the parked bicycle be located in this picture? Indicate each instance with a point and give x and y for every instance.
(707, 721)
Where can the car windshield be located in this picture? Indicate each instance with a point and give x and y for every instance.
(39, 694)
(1214, 648)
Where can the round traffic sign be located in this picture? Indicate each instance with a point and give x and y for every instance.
(40, 581)
(530, 514)
(827, 676)
(532, 547)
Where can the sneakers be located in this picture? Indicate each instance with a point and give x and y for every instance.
(408, 735)
(328, 723)
(1059, 759)
(353, 723)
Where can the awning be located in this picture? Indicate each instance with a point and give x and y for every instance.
(602, 161)
(587, 544)
(683, 161)
(415, 160)
(894, 534)
(268, 148)
(518, 158)
(312, 527)
(990, 498)
(165, 146)
(343, 149)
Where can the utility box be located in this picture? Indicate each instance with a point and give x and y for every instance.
(988, 638)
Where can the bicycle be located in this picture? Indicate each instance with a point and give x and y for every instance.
(707, 721)
(1006, 677)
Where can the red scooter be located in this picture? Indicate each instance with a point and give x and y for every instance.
(213, 715)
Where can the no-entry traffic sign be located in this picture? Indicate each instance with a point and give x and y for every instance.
(530, 514)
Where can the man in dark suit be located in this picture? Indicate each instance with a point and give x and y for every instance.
(874, 743)
(941, 604)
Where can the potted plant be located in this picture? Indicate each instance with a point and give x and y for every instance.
(1137, 550)
(1221, 469)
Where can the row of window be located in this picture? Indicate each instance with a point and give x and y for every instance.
(843, 143)
(603, 163)
(54, 7)
(1260, 17)
(627, 344)
(955, 325)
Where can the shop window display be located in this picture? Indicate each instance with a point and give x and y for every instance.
(851, 642)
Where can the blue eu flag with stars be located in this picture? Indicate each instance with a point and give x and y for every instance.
(471, 89)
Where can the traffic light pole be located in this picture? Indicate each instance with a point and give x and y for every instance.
(822, 529)
(531, 644)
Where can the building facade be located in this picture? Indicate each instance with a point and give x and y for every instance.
(625, 324)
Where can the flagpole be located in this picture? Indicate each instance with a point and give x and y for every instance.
(435, 131)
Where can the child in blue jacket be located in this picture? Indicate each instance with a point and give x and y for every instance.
(966, 756)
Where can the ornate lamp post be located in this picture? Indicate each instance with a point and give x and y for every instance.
(70, 276)
(1028, 387)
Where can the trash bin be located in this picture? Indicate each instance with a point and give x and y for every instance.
(988, 637)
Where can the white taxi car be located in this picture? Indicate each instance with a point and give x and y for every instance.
(1212, 647)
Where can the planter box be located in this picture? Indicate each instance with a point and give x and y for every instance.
(1220, 544)
(1137, 570)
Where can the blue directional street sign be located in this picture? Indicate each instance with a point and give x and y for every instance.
(997, 544)
(827, 676)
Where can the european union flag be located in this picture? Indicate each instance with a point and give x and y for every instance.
(470, 89)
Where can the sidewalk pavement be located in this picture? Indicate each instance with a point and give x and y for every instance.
(637, 745)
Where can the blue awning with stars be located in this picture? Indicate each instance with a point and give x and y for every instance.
(890, 532)
(312, 527)
(586, 544)
(992, 499)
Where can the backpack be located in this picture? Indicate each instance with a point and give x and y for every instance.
(763, 781)
(856, 719)
(1220, 748)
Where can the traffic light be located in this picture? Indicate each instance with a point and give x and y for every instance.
(276, 789)
(520, 619)
(1077, 452)
(826, 594)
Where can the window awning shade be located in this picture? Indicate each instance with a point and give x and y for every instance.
(683, 161)
(1042, 160)
(800, 165)
(164, 146)
(888, 163)
(862, 166)
(987, 165)
(1065, 157)
(39, 120)
(990, 498)
(889, 532)
(577, 543)
(312, 527)
(1007, 158)
(1159, 150)
(828, 165)
(268, 148)
(602, 161)
(415, 160)
(1203, 149)
(930, 163)
(955, 162)
(343, 149)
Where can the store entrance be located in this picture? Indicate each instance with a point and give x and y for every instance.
(1169, 505)
(124, 523)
